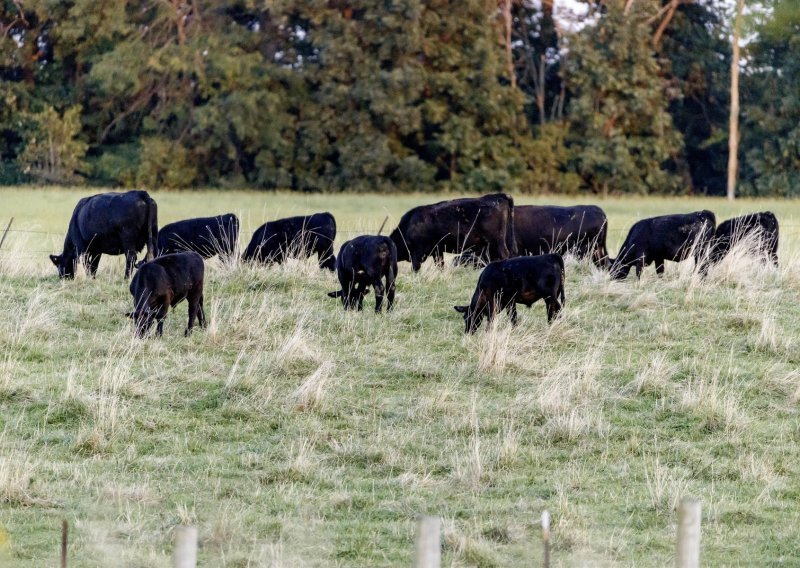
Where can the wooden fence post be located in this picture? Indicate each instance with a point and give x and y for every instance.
(64, 535)
(185, 554)
(429, 548)
(688, 555)
(546, 537)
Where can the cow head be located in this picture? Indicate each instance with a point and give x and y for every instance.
(66, 264)
(618, 268)
(143, 318)
(472, 318)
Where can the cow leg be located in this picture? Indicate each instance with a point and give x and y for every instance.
(161, 315)
(202, 313)
(639, 267)
(377, 286)
(347, 293)
(497, 250)
(511, 310)
(390, 287)
(130, 260)
(491, 307)
(660, 266)
(360, 292)
(193, 306)
(600, 257)
(92, 263)
(326, 259)
(553, 308)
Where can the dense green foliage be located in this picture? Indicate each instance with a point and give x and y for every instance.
(405, 95)
(772, 108)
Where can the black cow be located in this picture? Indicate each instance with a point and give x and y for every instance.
(294, 236)
(109, 223)
(518, 280)
(482, 225)
(668, 237)
(763, 227)
(366, 261)
(206, 236)
(163, 282)
(541, 229)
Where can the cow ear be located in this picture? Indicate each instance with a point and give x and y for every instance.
(336, 294)
(55, 259)
(461, 309)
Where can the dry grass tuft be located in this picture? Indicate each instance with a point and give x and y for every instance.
(655, 378)
(310, 395)
(770, 338)
(297, 347)
(718, 407)
(18, 469)
(469, 467)
(494, 345)
(665, 486)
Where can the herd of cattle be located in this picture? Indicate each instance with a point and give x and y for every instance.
(519, 246)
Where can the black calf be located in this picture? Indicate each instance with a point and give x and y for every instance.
(164, 282)
(519, 280)
(366, 261)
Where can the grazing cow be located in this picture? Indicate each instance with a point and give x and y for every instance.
(668, 237)
(763, 227)
(206, 236)
(366, 261)
(301, 236)
(518, 280)
(540, 229)
(482, 225)
(163, 282)
(109, 223)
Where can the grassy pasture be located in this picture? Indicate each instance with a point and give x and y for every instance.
(295, 434)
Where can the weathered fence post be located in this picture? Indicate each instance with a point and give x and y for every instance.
(546, 537)
(185, 554)
(688, 555)
(429, 548)
(5, 233)
(64, 534)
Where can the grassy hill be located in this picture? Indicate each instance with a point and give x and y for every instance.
(292, 433)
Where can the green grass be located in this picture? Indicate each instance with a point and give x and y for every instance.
(293, 433)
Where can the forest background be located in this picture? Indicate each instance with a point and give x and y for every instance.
(621, 97)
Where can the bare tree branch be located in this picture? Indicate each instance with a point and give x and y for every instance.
(670, 10)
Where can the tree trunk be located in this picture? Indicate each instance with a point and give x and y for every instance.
(505, 11)
(733, 134)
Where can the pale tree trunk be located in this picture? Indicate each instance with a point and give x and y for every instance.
(733, 136)
(505, 12)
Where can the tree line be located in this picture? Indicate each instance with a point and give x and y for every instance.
(397, 95)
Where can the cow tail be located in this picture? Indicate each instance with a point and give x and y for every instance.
(152, 228)
(511, 239)
(563, 279)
